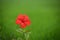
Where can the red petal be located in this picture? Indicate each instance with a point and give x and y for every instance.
(23, 25)
(20, 17)
(27, 22)
(23, 20)
(18, 22)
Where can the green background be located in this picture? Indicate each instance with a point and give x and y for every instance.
(44, 16)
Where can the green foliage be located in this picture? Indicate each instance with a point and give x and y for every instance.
(44, 15)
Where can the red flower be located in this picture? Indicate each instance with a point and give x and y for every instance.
(23, 20)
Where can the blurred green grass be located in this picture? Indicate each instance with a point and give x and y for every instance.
(44, 16)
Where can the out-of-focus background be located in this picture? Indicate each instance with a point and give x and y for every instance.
(44, 16)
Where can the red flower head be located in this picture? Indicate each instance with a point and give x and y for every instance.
(23, 20)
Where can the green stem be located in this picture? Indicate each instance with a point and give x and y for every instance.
(27, 35)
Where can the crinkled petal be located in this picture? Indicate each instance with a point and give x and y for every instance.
(23, 20)
(27, 22)
(21, 17)
(18, 22)
(23, 25)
